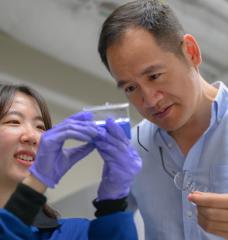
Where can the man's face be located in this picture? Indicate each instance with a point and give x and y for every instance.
(164, 88)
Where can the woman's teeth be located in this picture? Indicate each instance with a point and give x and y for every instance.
(26, 158)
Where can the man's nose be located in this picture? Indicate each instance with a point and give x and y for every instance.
(151, 97)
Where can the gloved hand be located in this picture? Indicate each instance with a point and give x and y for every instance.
(121, 162)
(52, 160)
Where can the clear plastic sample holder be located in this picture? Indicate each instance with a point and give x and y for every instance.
(118, 112)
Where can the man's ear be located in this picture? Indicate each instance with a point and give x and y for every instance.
(191, 50)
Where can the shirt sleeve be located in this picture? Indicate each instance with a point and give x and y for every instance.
(13, 228)
(116, 226)
(25, 203)
(112, 221)
(106, 207)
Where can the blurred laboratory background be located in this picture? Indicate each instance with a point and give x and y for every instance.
(51, 45)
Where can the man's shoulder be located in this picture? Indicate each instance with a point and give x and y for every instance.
(144, 125)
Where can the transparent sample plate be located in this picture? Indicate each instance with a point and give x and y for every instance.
(118, 112)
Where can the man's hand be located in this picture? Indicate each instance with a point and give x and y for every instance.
(212, 211)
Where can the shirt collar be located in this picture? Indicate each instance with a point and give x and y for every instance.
(220, 103)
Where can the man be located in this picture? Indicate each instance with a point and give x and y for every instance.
(182, 140)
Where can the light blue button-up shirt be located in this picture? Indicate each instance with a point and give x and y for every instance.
(166, 211)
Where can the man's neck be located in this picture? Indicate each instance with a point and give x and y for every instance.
(187, 135)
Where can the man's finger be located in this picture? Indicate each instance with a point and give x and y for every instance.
(212, 200)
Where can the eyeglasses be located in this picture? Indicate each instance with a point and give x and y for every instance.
(185, 180)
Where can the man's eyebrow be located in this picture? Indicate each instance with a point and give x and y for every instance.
(151, 69)
(148, 70)
(121, 83)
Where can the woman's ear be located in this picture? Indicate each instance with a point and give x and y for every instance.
(191, 50)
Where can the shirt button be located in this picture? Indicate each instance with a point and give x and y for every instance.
(170, 145)
(189, 214)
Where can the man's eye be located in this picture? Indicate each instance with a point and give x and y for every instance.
(129, 89)
(155, 76)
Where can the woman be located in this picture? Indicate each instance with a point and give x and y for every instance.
(26, 172)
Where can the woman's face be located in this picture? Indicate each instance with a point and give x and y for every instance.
(20, 131)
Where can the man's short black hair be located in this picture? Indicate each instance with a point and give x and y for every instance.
(155, 16)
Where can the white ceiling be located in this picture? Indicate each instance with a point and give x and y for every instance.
(68, 29)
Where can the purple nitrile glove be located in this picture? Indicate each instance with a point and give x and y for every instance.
(121, 162)
(52, 160)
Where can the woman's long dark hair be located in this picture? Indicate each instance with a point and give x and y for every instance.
(7, 93)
